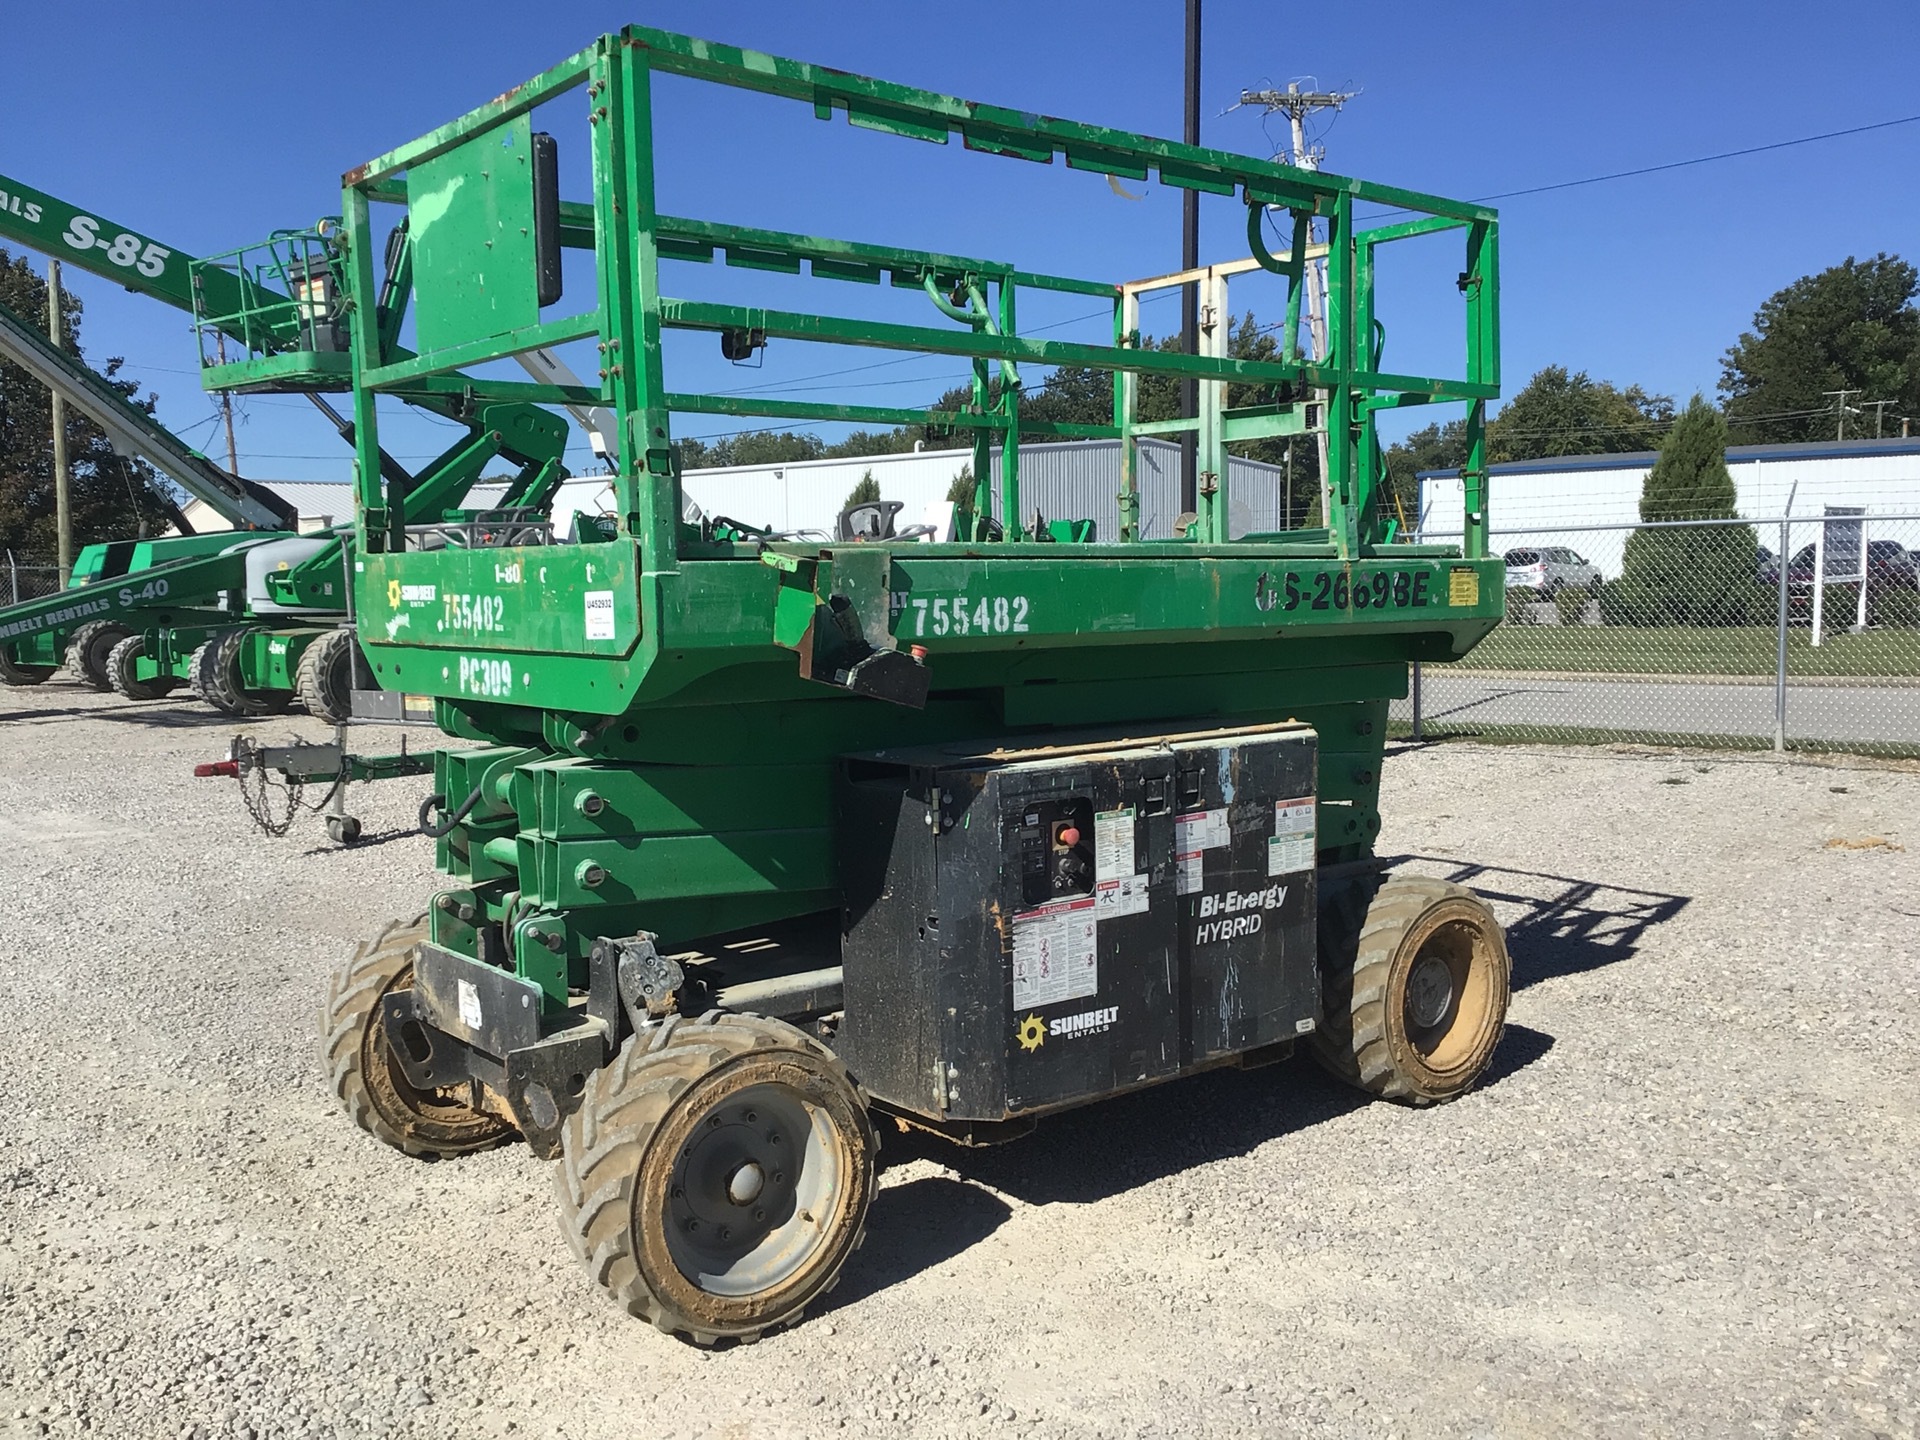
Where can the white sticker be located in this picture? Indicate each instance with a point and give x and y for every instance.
(599, 614)
(1292, 847)
(1202, 830)
(1193, 871)
(1113, 844)
(1054, 953)
(1125, 896)
(469, 1004)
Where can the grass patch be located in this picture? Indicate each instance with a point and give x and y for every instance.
(1686, 650)
(1666, 740)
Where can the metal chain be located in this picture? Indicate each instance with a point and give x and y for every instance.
(257, 792)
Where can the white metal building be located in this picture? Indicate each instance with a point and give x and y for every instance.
(320, 504)
(1557, 500)
(1077, 480)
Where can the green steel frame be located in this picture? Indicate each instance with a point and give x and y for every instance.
(633, 311)
(656, 748)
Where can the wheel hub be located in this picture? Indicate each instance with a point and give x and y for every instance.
(1429, 992)
(746, 1184)
(753, 1192)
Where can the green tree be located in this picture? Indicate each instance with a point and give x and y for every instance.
(749, 447)
(112, 497)
(1071, 395)
(872, 442)
(863, 493)
(1705, 575)
(1851, 327)
(1562, 412)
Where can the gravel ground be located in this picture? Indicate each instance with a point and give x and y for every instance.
(1684, 1203)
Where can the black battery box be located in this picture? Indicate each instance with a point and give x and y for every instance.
(1031, 927)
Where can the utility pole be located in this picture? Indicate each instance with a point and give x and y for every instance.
(1879, 414)
(1190, 260)
(62, 496)
(1840, 411)
(1297, 104)
(226, 411)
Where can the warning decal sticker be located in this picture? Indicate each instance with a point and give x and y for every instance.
(1463, 586)
(1292, 847)
(1126, 896)
(1113, 844)
(1202, 830)
(1193, 835)
(1054, 953)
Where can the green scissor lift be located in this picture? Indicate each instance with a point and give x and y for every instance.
(250, 619)
(757, 839)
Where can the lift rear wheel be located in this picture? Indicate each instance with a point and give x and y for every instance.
(717, 1175)
(12, 672)
(90, 647)
(1415, 998)
(325, 678)
(360, 1064)
(121, 675)
(214, 673)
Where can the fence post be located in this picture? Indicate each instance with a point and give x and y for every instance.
(1419, 535)
(1780, 626)
(13, 573)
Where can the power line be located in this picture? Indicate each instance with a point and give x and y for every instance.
(1673, 164)
(1704, 159)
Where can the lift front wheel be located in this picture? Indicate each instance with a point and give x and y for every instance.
(214, 673)
(361, 1067)
(12, 672)
(122, 661)
(90, 649)
(324, 681)
(1416, 996)
(717, 1175)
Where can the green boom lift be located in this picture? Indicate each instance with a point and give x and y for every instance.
(249, 620)
(759, 839)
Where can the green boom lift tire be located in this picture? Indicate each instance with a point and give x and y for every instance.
(90, 647)
(1415, 999)
(361, 1069)
(12, 672)
(120, 672)
(324, 681)
(717, 1175)
(214, 673)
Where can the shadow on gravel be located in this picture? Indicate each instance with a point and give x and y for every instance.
(160, 714)
(914, 1227)
(1519, 1048)
(1106, 1149)
(1566, 926)
(329, 848)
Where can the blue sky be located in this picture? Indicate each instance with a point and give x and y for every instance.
(210, 125)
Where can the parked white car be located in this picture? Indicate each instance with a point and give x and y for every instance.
(1549, 569)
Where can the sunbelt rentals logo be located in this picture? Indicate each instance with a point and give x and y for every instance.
(1033, 1032)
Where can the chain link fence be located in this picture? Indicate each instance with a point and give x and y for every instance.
(26, 582)
(1798, 633)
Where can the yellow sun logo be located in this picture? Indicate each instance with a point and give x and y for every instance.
(1032, 1033)
(393, 594)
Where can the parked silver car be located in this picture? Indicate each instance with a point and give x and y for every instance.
(1549, 569)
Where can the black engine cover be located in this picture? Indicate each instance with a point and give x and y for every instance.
(1028, 928)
